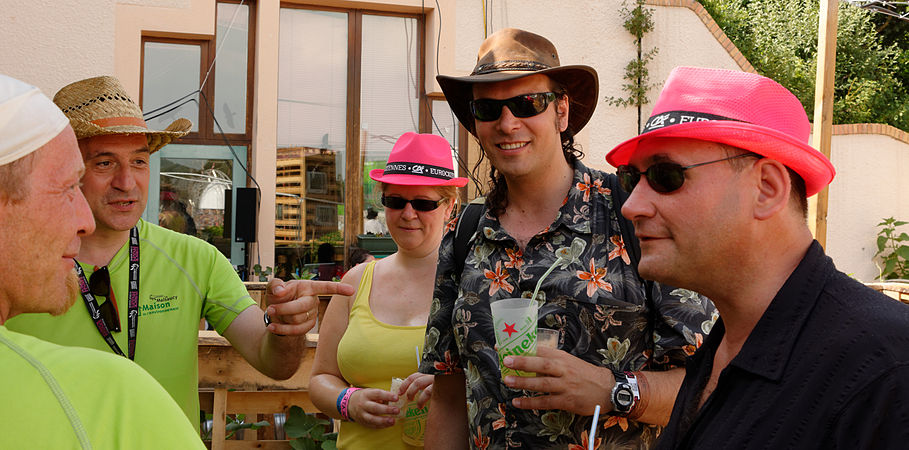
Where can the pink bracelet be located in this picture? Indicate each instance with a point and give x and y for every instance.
(345, 401)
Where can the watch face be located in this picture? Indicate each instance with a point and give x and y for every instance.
(624, 397)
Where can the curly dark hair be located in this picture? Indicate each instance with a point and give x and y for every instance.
(497, 193)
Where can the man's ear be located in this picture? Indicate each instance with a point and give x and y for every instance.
(773, 188)
(562, 113)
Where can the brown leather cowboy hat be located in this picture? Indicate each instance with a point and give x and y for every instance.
(100, 106)
(510, 54)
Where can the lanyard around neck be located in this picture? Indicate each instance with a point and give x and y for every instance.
(133, 309)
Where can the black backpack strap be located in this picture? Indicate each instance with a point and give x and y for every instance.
(465, 229)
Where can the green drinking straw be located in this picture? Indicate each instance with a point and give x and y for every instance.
(540, 283)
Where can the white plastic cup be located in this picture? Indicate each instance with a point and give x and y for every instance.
(412, 418)
(547, 337)
(515, 322)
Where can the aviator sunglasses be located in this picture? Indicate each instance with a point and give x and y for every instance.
(663, 177)
(522, 106)
(99, 285)
(419, 204)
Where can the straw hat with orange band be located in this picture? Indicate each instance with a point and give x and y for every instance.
(100, 106)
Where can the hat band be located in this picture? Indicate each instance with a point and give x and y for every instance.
(119, 121)
(423, 170)
(499, 66)
(669, 118)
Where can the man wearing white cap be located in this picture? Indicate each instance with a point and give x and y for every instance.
(57, 397)
(803, 356)
(155, 282)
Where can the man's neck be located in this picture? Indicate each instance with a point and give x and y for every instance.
(100, 247)
(534, 200)
(746, 299)
(4, 311)
(541, 192)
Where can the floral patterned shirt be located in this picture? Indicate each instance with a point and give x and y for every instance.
(595, 298)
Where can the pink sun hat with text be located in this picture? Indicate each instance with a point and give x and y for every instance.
(419, 160)
(740, 109)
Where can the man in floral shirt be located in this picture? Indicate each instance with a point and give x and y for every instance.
(544, 205)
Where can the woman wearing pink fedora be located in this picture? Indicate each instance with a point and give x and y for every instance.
(373, 336)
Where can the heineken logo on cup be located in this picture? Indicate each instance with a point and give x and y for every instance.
(515, 321)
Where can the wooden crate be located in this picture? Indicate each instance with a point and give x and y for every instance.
(229, 385)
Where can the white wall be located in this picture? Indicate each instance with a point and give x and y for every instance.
(872, 183)
(51, 43)
(591, 32)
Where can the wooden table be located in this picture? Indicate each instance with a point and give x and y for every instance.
(229, 385)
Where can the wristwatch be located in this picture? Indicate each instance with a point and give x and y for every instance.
(625, 394)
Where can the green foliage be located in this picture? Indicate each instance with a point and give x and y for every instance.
(238, 422)
(638, 22)
(893, 248)
(779, 37)
(306, 275)
(213, 231)
(307, 432)
(262, 273)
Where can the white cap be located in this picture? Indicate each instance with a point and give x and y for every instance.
(28, 119)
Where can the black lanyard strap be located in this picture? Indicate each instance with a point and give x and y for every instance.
(133, 300)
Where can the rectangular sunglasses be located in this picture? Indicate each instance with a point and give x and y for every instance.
(663, 177)
(523, 106)
(419, 204)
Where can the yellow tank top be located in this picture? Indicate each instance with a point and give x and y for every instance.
(370, 353)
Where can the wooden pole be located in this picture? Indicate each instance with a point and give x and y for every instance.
(823, 108)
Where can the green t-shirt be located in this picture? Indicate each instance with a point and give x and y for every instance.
(61, 398)
(181, 280)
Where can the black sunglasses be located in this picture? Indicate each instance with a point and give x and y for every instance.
(663, 177)
(419, 204)
(523, 106)
(99, 286)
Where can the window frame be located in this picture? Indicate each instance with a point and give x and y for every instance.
(353, 189)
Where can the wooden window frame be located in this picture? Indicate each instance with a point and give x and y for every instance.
(463, 135)
(207, 133)
(353, 195)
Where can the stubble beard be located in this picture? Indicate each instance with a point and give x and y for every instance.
(71, 293)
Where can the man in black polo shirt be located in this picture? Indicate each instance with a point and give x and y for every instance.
(803, 356)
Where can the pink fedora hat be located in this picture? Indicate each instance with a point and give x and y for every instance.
(740, 109)
(419, 160)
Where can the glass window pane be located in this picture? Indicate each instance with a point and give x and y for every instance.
(170, 72)
(389, 93)
(312, 128)
(445, 124)
(230, 67)
(192, 198)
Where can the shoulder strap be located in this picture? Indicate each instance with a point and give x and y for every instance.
(465, 229)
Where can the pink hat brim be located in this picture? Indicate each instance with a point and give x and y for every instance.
(805, 160)
(414, 180)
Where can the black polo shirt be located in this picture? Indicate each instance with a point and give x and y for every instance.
(826, 367)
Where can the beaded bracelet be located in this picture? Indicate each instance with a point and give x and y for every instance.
(344, 401)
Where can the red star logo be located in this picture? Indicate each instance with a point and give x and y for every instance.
(509, 329)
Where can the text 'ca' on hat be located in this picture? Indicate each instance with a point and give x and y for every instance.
(509, 54)
(740, 109)
(100, 106)
(419, 160)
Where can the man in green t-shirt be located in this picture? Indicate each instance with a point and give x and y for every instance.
(144, 288)
(57, 397)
